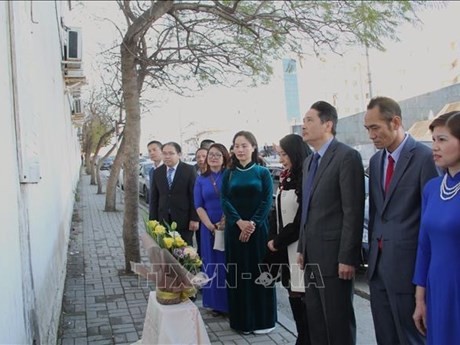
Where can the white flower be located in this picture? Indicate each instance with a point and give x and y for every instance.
(174, 234)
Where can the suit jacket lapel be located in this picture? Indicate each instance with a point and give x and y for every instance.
(400, 167)
(176, 175)
(379, 176)
(163, 174)
(325, 160)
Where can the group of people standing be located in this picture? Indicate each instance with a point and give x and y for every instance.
(312, 232)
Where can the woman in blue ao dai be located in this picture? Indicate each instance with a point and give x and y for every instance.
(437, 270)
(208, 207)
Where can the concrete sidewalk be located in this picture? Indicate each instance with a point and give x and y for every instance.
(101, 304)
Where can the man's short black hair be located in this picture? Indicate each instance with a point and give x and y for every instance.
(326, 112)
(387, 107)
(205, 143)
(155, 142)
(173, 144)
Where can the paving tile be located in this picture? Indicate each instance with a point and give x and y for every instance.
(67, 341)
(101, 305)
(81, 341)
(132, 336)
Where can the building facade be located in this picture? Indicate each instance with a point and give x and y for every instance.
(40, 170)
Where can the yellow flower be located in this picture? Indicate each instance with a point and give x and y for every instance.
(152, 224)
(159, 230)
(168, 241)
(179, 242)
(173, 226)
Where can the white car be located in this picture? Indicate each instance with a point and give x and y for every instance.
(120, 181)
(144, 179)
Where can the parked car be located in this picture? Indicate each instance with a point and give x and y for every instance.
(120, 181)
(144, 179)
(107, 163)
(275, 167)
(365, 240)
(189, 158)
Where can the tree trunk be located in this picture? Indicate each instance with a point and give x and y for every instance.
(88, 159)
(111, 189)
(101, 142)
(93, 170)
(98, 177)
(132, 84)
(131, 162)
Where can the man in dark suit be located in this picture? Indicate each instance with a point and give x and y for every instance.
(398, 173)
(172, 193)
(156, 156)
(331, 228)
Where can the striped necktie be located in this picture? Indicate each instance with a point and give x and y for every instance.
(170, 177)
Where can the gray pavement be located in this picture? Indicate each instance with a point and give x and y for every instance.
(103, 305)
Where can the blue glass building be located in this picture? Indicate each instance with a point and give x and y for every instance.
(291, 91)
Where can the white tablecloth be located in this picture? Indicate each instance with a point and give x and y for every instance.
(173, 324)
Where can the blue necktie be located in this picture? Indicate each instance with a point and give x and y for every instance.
(307, 188)
(170, 177)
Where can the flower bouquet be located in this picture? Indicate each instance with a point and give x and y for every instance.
(175, 266)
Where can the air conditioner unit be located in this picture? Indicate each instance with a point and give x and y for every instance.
(77, 106)
(73, 44)
(74, 73)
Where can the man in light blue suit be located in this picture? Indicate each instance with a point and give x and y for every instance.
(398, 173)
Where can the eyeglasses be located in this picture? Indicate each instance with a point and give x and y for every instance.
(214, 155)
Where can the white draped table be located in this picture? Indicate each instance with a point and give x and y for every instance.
(173, 324)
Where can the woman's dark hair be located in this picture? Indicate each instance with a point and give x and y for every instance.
(453, 124)
(450, 120)
(297, 150)
(225, 155)
(252, 140)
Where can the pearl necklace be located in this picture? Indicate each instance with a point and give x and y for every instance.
(446, 192)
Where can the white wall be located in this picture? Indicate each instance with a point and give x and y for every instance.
(35, 217)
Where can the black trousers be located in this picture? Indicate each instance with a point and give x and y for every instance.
(330, 313)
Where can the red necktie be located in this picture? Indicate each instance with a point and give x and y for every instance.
(390, 170)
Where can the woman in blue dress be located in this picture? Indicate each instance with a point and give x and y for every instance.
(207, 203)
(247, 192)
(437, 270)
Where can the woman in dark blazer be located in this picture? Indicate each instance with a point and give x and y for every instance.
(285, 225)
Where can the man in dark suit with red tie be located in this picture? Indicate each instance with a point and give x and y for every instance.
(398, 173)
(172, 193)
